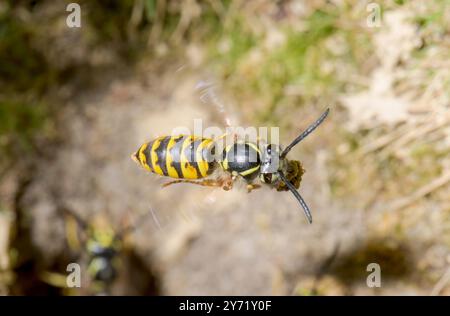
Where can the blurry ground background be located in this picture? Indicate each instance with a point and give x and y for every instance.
(75, 103)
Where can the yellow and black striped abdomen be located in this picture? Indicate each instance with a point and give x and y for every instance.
(183, 156)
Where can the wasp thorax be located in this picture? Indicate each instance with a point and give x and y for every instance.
(242, 159)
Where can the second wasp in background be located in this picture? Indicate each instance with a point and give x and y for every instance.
(109, 263)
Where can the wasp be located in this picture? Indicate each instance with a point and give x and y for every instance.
(188, 158)
(101, 247)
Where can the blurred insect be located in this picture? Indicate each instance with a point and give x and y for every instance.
(101, 246)
(190, 159)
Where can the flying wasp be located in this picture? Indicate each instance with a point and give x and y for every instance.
(189, 159)
(101, 247)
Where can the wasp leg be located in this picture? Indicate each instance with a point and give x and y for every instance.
(72, 234)
(179, 181)
(226, 184)
(53, 278)
(252, 186)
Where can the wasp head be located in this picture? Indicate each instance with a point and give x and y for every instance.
(282, 173)
(272, 164)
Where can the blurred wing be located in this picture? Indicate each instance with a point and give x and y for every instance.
(208, 96)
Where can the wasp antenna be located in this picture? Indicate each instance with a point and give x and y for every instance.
(297, 196)
(303, 135)
(68, 212)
